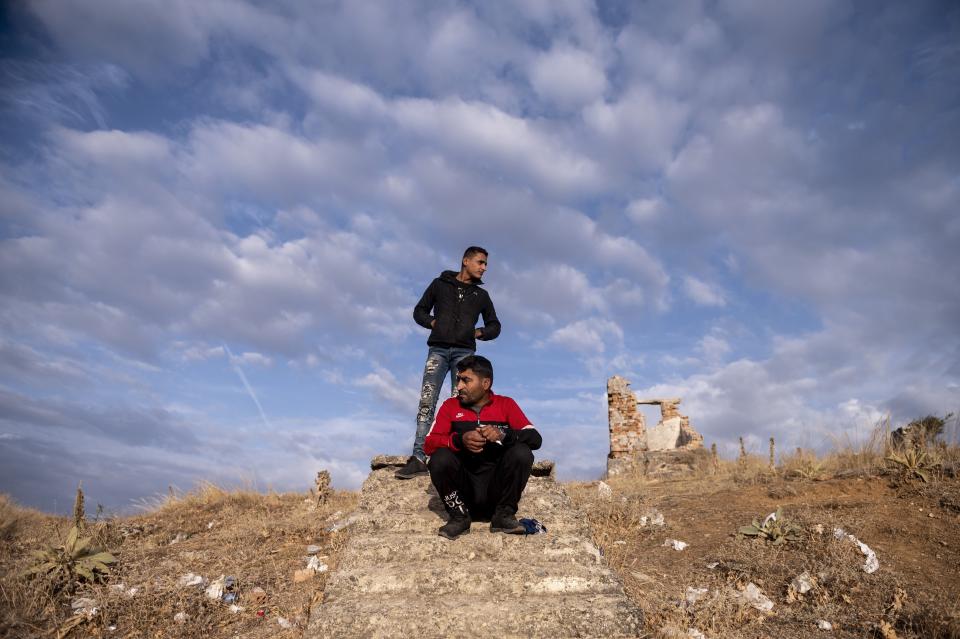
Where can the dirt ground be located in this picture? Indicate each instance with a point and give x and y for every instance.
(914, 529)
(262, 540)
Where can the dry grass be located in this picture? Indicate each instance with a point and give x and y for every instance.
(911, 524)
(260, 539)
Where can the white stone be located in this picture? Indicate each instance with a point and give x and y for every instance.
(316, 565)
(755, 597)
(664, 435)
(802, 583)
(604, 490)
(676, 544)
(823, 624)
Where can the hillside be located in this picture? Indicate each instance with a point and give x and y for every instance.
(168, 557)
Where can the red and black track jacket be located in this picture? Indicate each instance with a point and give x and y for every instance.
(453, 420)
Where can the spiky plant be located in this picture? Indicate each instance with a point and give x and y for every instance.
(72, 562)
(913, 463)
(774, 529)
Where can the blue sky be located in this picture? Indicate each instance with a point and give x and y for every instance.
(216, 217)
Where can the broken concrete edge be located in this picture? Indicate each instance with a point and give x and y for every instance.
(542, 468)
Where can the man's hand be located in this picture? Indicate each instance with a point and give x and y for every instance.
(473, 441)
(477, 333)
(490, 433)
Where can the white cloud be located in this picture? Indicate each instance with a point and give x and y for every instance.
(713, 347)
(587, 337)
(644, 210)
(702, 293)
(568, 77)
(641, 128)
(484, 132)
(388, 389)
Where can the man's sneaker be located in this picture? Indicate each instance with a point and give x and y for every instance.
(504, 521)
(458, 525)
(413, 468)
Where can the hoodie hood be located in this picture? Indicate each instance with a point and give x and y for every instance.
(451, 276)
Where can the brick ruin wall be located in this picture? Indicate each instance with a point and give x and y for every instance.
(628, 432)
(630, 439)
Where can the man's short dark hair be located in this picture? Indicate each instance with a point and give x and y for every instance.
(473, 250)
(478, 364)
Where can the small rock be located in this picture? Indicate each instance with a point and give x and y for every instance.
(210, 525)
(653, 518)
(823, 624)
(604, 490)
(234, 608)
(256, 596)
(693, 633)
(284, 623)
(755, 597)
(802, 583)
(676, 544)
(316, 565)
(180, 537)
(181, 617)
(818, 529)
(619, 542)
(712, 565)
(313, 549)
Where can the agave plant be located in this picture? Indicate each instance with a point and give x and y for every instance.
(774, 529)
(914, 463)
(73, 561)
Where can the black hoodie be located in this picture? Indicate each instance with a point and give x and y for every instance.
(456, 306)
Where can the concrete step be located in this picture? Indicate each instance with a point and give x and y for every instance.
(500, 615)
(444, 576)
(402, 548)
(427, 523)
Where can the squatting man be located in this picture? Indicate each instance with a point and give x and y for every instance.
(450, 308)
(480, 448)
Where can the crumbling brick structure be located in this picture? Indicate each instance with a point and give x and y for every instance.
(630, 439)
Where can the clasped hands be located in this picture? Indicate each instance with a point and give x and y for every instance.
(474, 440)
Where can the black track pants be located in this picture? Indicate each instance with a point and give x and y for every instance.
(493, 486)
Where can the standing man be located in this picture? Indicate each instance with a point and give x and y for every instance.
(450, 308)
(481, 455)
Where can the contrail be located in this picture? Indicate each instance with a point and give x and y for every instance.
(243, 378)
